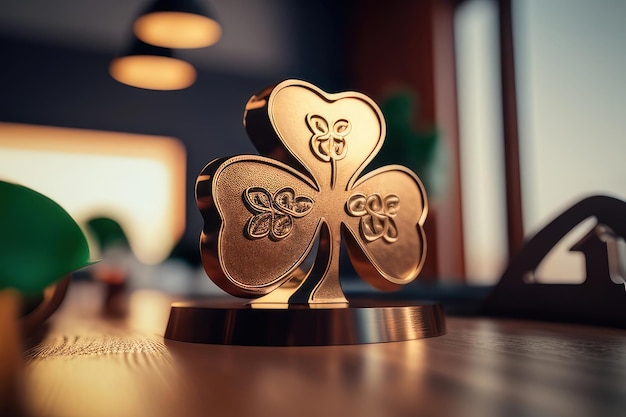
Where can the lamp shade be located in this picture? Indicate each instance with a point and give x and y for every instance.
(151, 67)
(177, 24)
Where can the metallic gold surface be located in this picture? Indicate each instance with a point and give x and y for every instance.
(264, 214)
(366, 321)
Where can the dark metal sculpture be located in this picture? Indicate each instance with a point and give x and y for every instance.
(600, 299)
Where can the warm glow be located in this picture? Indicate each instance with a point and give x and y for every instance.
(177, 30)
(136, 180)
(153, 72)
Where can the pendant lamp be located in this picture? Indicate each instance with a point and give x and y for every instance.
(178, 24)
(152, 67)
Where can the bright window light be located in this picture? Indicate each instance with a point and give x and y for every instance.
(571, 92)
(136, 180)
(481, 145)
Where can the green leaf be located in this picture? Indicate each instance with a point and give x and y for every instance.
(39, 241)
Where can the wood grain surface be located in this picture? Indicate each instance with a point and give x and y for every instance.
(89, 365)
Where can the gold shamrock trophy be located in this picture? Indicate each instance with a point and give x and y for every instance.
(274, 223)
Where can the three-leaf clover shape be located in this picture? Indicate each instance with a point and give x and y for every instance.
(264, 213)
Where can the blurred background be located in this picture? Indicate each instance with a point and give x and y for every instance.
(510, 111)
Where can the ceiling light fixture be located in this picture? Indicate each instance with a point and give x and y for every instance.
(178, 24)
(152, 67)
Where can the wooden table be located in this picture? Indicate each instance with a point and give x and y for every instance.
(88, 365)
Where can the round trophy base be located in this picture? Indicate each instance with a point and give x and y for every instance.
(228, 322)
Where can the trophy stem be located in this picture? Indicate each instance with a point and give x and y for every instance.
(322, 286)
